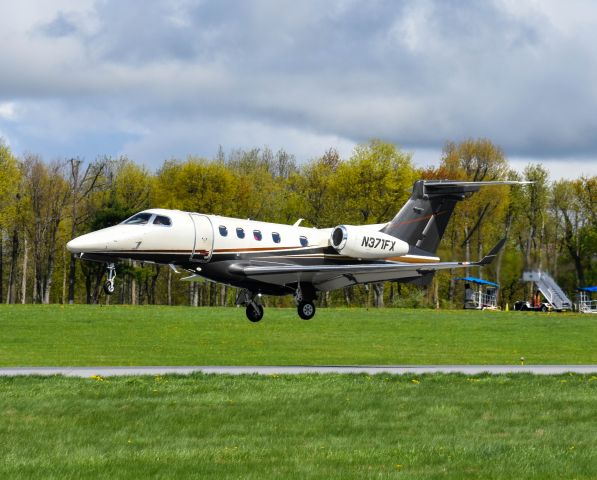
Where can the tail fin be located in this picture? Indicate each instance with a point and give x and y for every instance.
(422, 221)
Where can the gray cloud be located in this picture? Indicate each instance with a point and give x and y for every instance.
(60, 26)
(185, 76)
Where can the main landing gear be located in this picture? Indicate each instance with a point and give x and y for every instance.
(304, 301)
(306, 310)
(109, 285)
(303, 297)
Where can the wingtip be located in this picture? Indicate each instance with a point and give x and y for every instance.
(487, 259)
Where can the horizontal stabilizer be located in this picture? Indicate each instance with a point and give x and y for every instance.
(453, 183)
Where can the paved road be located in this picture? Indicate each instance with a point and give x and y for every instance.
(285, 370)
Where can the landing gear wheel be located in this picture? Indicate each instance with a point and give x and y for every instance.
(254, 312)
(306, 310)
(109, 288)
(109, 285)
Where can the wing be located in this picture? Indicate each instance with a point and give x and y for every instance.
(331, 277)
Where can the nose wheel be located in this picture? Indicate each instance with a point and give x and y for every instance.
(254, 312)
(109, 285)
(248, 299)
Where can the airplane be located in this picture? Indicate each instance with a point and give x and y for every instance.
(263, 258)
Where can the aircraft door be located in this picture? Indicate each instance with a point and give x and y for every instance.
(204, 238)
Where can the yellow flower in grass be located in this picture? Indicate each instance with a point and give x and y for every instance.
(415, 381)
(98, 378)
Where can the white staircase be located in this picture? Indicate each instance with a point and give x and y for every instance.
(548, 287)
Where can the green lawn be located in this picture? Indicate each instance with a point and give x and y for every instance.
(121, 335)
(307, 426)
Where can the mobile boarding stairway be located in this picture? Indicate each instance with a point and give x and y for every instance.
(552, 292)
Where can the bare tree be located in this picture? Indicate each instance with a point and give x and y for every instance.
(81, 185)
(48, 193)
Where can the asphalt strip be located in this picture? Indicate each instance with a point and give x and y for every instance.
(85, 372)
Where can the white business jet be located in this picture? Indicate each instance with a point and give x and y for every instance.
(275, 259)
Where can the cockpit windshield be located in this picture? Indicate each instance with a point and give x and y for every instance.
(161, 220)
(139, 219)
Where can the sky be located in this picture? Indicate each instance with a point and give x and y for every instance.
(161, 79)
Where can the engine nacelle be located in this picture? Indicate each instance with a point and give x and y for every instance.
(359, 242)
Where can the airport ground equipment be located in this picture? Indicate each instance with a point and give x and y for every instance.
(554, 296)
(484, 296)
(584, 303)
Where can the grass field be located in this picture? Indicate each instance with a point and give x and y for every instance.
(328, 426)
(119, 335)
(306, 426)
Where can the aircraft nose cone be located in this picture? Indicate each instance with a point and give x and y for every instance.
(72, 246)
(90, 242)
(77, 245)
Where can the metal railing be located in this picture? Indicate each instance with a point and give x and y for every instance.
(585, 304)
(482, 301)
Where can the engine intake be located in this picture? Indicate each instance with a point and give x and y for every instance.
(360, 242)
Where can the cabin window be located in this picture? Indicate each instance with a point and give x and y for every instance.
(276, 237)
(240, 233)
(223, 230)
(257, 235)
(304, 241)
(139, 219)
(161, 220)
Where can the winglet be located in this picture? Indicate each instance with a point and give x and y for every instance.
(193, 278)
(487, 259)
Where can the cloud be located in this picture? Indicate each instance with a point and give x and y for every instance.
(170, 77)
(61, 26)
(8, 110)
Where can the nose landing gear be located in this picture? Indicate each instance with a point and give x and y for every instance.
(249, 300)
(254, 312)
(109, 285)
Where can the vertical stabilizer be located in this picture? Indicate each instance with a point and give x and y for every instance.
(422, 221)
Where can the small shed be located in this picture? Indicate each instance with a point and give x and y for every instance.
(479, 294)
(585, 302)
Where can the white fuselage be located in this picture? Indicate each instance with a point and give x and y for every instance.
(197, 234)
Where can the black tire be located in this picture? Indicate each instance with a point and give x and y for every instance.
(254, 314)
(544, 308)
(306, 310)
(109, 288)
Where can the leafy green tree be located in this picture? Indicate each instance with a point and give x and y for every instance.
(575, 204)
(9, 184)
(312, 191)
(371, 187)
(374, 183)
(196, 185)
(479, 220)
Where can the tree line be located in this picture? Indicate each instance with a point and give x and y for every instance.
(550, 225)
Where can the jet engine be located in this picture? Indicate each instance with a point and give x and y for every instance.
(359, 242)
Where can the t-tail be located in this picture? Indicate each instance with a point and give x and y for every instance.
(422, 221)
